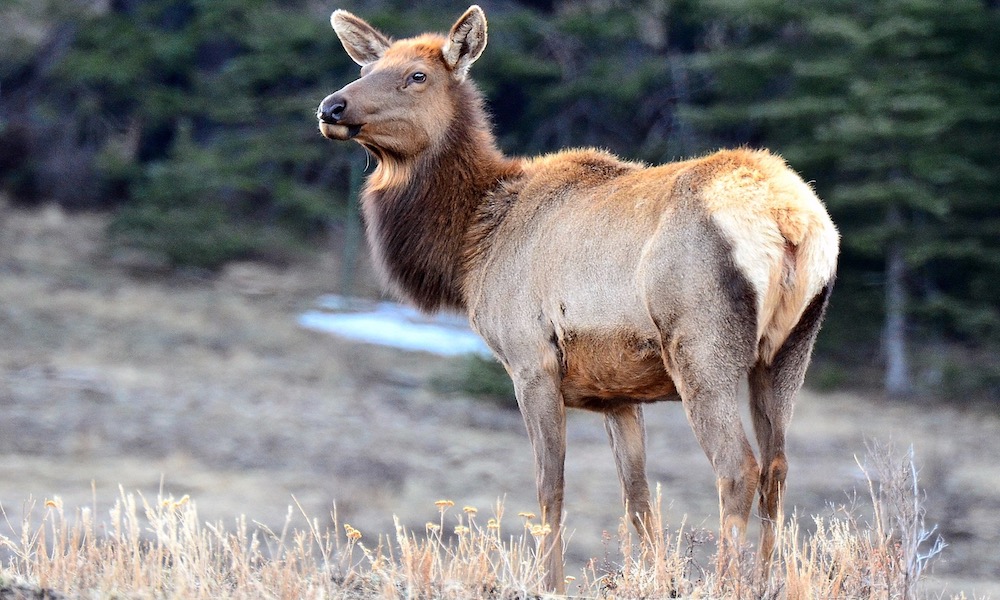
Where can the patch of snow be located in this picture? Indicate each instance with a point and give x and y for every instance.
(395, 325)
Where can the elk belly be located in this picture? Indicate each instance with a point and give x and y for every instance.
(603, 370)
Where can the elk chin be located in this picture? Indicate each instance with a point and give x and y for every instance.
(335, 131)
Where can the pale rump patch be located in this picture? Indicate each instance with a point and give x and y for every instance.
(782, 238)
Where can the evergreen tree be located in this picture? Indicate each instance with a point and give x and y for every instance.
(194, 121)
(882, 104)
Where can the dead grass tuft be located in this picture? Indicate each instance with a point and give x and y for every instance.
(162, 549)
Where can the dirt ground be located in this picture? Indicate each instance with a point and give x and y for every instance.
(112, 377)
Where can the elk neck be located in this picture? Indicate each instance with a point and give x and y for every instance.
(424, 214)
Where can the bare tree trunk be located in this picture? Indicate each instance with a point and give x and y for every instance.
(897, 370)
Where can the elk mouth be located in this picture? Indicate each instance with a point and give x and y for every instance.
(338, 131)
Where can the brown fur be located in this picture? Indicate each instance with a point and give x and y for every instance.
(599, 283)
(602, 370)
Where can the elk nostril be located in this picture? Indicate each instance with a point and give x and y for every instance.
(332, 110)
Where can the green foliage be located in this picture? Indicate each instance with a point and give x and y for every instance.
(827, 377)
(195, 235)
(583, 76)
(194, 119)
(884, 104)
(962, 383)
(181, 211)
(478, 377)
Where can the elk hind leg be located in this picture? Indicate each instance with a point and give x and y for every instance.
(705, 309)
(627, 435)
(708, 386)
(770, 410)
(773, 387)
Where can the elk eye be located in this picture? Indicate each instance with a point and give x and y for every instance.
(418, 77)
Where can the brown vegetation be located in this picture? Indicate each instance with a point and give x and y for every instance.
(207, 385)
(162, 548)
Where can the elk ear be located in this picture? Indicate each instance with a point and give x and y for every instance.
(363, 42)
(466, 41)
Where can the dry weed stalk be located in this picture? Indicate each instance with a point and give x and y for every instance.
(879, 557)
(161, 549)
(847, 557)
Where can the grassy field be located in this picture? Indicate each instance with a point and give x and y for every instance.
(161, 548)
(197, 386)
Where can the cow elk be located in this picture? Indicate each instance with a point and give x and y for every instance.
(599, 283)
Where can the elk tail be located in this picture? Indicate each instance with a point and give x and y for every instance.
(807, 264)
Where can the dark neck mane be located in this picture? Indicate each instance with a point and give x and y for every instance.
(421, 213)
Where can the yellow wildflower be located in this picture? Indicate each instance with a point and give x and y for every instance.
(461, 529)
(352, 533)
(470, 509)
(493, 524)
(174, 504)
(526, 515)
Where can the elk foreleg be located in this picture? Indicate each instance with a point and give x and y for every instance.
(544, 415)
(628, 442)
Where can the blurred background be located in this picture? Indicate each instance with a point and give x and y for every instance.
(168, 209)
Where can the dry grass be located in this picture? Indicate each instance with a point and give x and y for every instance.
(113, 375)
(161, 549)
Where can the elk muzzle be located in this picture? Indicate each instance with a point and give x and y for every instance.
(331, 114)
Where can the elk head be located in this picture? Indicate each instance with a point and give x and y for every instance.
(405, 99)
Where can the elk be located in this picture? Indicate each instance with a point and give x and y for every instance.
(600, 284)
